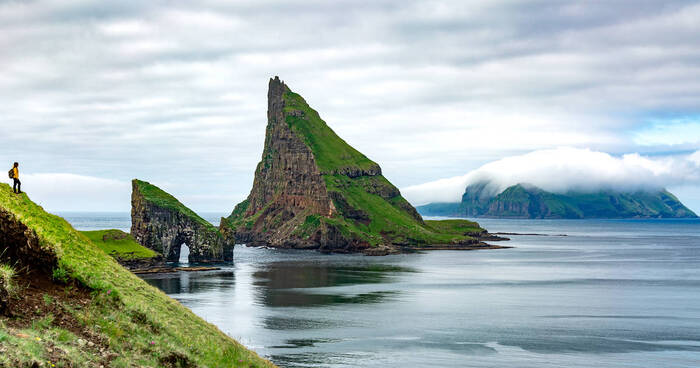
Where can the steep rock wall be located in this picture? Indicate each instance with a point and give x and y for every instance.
(312, 190)
(164, 229)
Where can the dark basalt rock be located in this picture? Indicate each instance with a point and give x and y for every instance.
(312, 190)
(161, 223)
(4, 296)
(20, 245)
(144, 263)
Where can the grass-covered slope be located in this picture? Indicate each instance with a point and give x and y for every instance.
(456, 226)
(332, 153)
(364, 212)
(160, 198)
(132, 323)
(119, 244)
(369, 206)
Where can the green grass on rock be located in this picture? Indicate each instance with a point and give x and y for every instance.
(119, 244)
(162, 199)
(141, 324)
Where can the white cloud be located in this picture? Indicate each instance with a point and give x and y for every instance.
(70, 192)
(565, 168)
(427, 89)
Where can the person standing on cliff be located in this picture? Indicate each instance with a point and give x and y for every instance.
(17, 185)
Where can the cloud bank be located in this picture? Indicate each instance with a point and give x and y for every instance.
(152, 89)
(562, 169)
(70, 192)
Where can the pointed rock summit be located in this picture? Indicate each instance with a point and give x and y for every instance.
(161, 223)
(313, 190)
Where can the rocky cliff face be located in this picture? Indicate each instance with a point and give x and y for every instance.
(160, 222)
(287, 177)
(313, 190)
(20, 245)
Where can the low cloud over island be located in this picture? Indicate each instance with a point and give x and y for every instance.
(567, 169)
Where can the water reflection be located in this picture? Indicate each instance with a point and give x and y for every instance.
(288, 275)
(316, 359)
(307, 284)
(192, 283)
(289, 323)
(276, 298)
(301, 343)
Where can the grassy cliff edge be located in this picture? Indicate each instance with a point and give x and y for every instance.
(137, 324)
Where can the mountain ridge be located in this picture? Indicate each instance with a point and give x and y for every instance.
(528, 201)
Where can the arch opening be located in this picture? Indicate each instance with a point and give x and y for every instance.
(184, 254)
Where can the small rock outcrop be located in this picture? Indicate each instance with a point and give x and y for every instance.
(161, 223)
(312, 190)
(20, 245)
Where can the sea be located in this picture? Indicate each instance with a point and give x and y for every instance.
(573, 293)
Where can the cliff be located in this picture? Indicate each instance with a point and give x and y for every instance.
(69, 304)
(527, 201)
(161, 223)
(312, 190)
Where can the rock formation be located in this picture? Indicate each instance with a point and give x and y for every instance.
(313, 190)
(528, 201)
(20, 245)
(160, 222)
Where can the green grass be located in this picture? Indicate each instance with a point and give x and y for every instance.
(28, 347)
(456, 226)
(162, 199)
(124, 309)
(388, 221)
(311, 223)
(331, 152)
(119, 244)
(7, 278)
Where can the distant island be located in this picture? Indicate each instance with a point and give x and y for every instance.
(530, 202)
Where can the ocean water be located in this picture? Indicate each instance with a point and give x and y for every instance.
(591, 293)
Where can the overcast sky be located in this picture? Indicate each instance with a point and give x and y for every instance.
(95, 93)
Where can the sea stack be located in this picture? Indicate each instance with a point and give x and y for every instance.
(312, 190)
(161, 223)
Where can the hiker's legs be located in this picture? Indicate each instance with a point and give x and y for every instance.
(17, 186)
